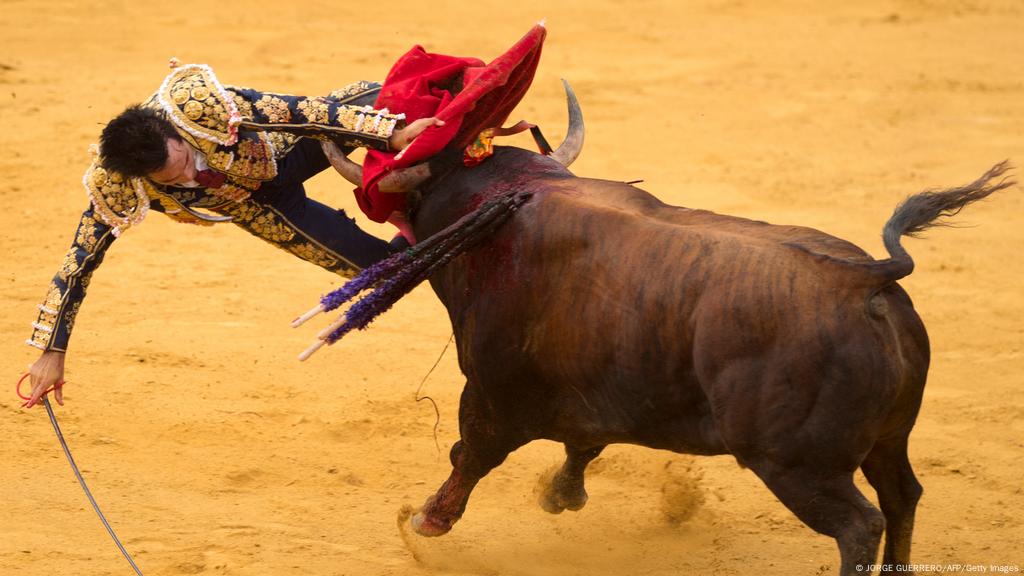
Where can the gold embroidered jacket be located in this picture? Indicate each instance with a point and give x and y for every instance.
(243, 133)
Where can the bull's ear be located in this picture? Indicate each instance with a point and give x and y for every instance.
(570, 148)
(445, 160)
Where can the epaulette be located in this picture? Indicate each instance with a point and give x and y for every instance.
(119, 202)
(198, 104)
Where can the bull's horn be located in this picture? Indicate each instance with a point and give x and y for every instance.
(348, 169)
(404, 180)
(571, 147)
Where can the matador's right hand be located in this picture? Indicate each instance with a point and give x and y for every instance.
(46, 373)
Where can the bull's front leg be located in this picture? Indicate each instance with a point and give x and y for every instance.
(445, 507)
(486, 442)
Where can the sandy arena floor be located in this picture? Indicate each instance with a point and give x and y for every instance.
(213, 451)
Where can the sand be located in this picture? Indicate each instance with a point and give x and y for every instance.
(213, 451)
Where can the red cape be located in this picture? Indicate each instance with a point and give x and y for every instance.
(420, 85)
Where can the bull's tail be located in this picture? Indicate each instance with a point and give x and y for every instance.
(913, 216)
(923, 211)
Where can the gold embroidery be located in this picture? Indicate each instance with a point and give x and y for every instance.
(216, 109)
(116, 201)
(366, 120)
(40, 339)
(281, 142)
(69, 315)
(68, 267)
(86, 236)
(268, 227)
(385, 127)
(220, 160)
(255, 159)
(250, 149)
(247, 183)
(118, 196)
(351, 90)
(42, 329)
(193, 109)
(243, 212)
(230, 192)
(314, 109)
(98, 177)
(271, 226)
(313, 254)
(347, 118)
(198, 104)
(200, 93)
(46, 319)
(243, 105)
(53, 298)
(179, 196)
(275, 109)
(260, 221)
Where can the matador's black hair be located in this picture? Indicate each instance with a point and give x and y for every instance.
(135, 143)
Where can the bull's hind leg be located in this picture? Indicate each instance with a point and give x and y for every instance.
(828, 502)
(486, 441)
(566, 490)
(888, 470)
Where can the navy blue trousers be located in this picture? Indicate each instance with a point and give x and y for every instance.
(330, 227)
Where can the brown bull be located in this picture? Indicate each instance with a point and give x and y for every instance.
(600, 315)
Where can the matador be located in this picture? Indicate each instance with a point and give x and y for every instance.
(203, 152)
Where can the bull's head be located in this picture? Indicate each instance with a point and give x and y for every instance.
(408, 179)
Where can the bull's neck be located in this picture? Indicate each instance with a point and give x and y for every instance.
(462, 189)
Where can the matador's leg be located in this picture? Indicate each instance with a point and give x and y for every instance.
(282, 214)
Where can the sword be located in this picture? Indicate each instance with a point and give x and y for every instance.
(78, 473)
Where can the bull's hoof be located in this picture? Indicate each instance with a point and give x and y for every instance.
(577, 502)
(555, 501)
(425, 525)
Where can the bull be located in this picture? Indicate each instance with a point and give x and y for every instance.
(600, 315)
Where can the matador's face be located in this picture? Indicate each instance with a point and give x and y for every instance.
(180, 168)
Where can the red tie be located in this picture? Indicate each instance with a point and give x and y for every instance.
(210, 178)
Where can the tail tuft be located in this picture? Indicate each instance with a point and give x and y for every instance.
(923, 211)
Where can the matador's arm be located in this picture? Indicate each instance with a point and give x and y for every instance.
(52, 328)
(322, 117)
(117, 203)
